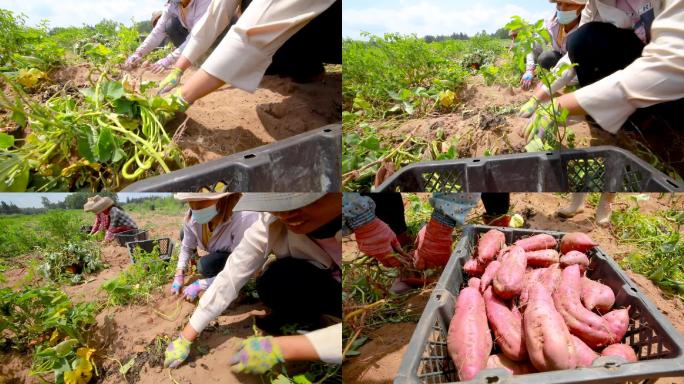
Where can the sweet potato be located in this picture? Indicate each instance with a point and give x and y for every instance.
(469, 341)
(620, 350)
(537, 242)
(583, 323)
(490, 243)
(542, 258)
(515, 368)
(473, 268)
(474, 282)
(507, 327)
(489, 274)
(585, 355)
(508, 281)
(575, 257)
(597, 296)
(532, 276)
(547, 338)
(618, 322)
(576, 241)
(551, 277)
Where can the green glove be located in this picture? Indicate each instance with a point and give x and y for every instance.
(528, 108)
(257, 355)
(177, 352)
(539, 123)
(171, 81)
(183, 104)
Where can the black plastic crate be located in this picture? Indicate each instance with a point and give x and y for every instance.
(86, 229)
(165, 246)
(132, 235)
(309, 162)
(659, 346)
(597, 169)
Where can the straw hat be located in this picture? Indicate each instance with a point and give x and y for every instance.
(97, 204)
(200, 196)
(578, 2)
(276, 202)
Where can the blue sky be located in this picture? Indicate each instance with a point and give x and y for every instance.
(62, 13)
(28, 200)
(436, 17)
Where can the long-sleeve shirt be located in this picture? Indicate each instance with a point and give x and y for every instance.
(559, 40)
(113, 222)
(224, 238)
(188, 18)
(267, 235)
(244, 54)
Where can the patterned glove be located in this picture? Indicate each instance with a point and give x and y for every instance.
(433, 245)
(132, 61)
(191, 291)
(526, 80)
(177, 352)
(178, 281)
(377, 240)
(538, 124)
(183, 104)
(257, 355)
(162, 64)
(171, 81)
(528, 108)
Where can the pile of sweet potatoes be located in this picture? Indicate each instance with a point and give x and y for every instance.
(533, 301)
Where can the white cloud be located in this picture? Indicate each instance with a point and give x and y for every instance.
(425, 18)
(77, 12)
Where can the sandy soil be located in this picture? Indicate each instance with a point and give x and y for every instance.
(382, 353)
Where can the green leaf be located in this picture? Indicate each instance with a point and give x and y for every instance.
(106, 144)
(301, 379)
(112, 90)
(126, 367)
(371, 143)
(84, 143)
(6, 140)
(88, 93)
(123, 107)
(19, 117)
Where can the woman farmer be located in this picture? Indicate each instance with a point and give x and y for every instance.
(302, 284)
(563, 22)
(212, 226)
(174, 24)
(110, 218)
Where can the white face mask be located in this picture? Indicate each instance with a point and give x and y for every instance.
(204, 215)
(566, 17)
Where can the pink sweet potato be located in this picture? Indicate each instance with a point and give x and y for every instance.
(474, 282)
(537, 242)
(597, 296)
(490, 243)
(469, 341)
(583, 323)
(618, 322)
(576, 241)
(515, 368)
(620, 350)
(473, 268)
(508, 281)
(575, 257)
(551, 277)
(547, 338)
(542, 258)
(507, 327)
(585, 355)
(489, 274)
(532, 276)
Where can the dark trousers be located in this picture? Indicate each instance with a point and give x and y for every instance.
(549, 59)
(176, 32)
(389, 207)
(496, 204)
(212, 264)
(296, 291)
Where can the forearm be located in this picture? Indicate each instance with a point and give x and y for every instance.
(569, 101)
(189, 333)
(183, 63)
(297, 348)
(199, 85)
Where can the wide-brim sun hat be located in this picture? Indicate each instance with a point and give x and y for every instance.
(276, 202)
(201, 196)
(97, 204)
(578, 2)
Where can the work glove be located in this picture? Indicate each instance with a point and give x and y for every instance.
(178, 281)
(183, 104)
(526, 80)
(377, 240)
(191, 291)
(257, 355)
(177, 352)
(162, 65)
(529, 107)
(132, 61)
(433, 245)
(539, 123)
(171, 81)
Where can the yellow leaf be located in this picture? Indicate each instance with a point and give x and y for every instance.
(54, 338)
(82, 372)
(85, 352)
(447, 98)
(29, 78)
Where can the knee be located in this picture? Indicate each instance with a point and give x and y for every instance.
(172, 26)
(548, 59)
(211, 265)
(581, 41)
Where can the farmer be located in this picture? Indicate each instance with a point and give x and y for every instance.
(291, 38)
(174, 24)
(299, 286)
(110, 218)
(603, 211)
(630, 58)
(563, 22)
(212, 226)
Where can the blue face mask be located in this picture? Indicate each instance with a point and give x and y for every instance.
(566, 17)
(204, 215)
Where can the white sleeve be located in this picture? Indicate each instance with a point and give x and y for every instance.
(215, 20)
(656, 77)
(328, 343)
(188, 246)
(242, 57)
(155, 37)
(246, 259)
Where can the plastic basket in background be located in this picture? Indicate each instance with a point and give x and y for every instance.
(309, 162)
(132, 235)
(86, 229)
(597, 169)
(164, 245)
(658, 345)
